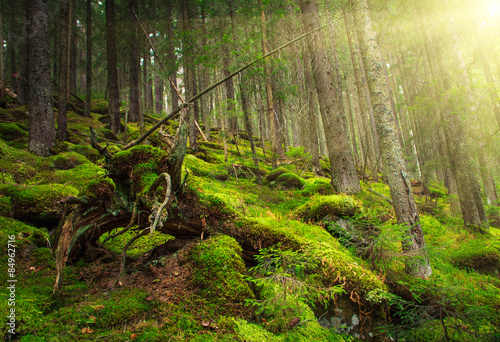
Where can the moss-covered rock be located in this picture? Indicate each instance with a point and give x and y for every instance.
(289, 181)
(11, 131)
(218, 270)
(63, 161)
(5, 206)
(317, 186)
(100, 190)
(328, 207)
(100, 107)
(78, 176)
(275, 174)
(37, 202)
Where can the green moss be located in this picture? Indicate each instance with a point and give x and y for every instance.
(63, 161)
(317, 186)
(271, 177)
(11, 131)
(37, 200)
(288, 181)
(5, 206)
(79, 176)
(201, 168)
(475, 254)
(218, 269)
(328, 206)
(126, 160)
(140, 246)
(100, 189)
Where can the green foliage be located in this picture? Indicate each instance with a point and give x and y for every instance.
(332, 206)
(218, 270)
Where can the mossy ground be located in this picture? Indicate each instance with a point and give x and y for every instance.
(205, 291)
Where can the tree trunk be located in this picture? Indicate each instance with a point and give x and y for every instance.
(112, 66)
(2, 71)
(62, 123)
(72, 49)
(417, 262)
(269, 93)
(311, 113)
(88, 77)
(41, 111)
(134, 114)
(159, 103)
(172, 68)
(344, 175)
(246, 118)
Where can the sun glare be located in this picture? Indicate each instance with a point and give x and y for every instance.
(494, 9)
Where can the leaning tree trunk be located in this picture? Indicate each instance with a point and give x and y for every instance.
(344, 175)
(417, 261)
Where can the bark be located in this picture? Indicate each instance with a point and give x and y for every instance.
(311, 113)
(366, 138)
(11, 50)
(171, 66)
(72, 49)
(134, 114)
(88, 76)
(417, 262)
(246, 118)
(2, 71)
(344, 175)
(159, 104)
(112, 67)
(41, 111)
(62, 123)
(269, 93)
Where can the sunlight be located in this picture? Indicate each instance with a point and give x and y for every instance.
(494, 9)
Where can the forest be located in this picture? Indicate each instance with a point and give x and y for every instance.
(250, 170)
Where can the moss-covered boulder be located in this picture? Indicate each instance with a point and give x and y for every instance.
(5, 206)
(11, 131)
(289, 181)
(275, 174)
(218, 270)
(317, 186)
(63, 161)
(328, 208)
(37, 202)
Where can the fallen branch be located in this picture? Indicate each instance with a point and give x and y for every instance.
(215, 85)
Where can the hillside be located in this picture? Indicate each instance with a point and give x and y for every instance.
(245, 254)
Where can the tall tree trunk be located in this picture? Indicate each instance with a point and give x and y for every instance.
(112, 66)
(344, 175)
(134, 114)
(41, 111)
(172, 67)
(311, 113)
(159, 103)
(366, 137)
(62, 123)
(246, 118)
(88, 77)
(189, 69)
(11, 49)
(2, 71)
(417, 262)
(269, 92)
(72, 49)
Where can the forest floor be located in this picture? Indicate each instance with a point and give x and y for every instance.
(282, 258)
